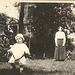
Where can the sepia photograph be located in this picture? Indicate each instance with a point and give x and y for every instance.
(37, 38)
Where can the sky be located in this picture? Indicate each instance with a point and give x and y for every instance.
(7, 7)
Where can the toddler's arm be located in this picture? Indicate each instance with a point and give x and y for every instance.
(26, 50)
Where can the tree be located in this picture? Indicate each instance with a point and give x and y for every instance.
(21, 25)
(46, 19)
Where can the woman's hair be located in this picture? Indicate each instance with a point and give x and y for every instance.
(60, 27)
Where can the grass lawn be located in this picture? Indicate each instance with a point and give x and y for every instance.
(47, 65)
(51, 65)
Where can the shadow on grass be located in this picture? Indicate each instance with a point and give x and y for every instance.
(9, 72)
(28, 71)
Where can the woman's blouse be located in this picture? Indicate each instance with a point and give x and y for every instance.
(60, 35)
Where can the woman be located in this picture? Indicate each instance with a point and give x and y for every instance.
(60, 40)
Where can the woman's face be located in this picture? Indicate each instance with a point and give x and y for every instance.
(19, 40)
(60, 29)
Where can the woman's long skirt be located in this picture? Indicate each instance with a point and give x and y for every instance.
(60, 51)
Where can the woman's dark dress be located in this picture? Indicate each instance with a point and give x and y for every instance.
(60, 51)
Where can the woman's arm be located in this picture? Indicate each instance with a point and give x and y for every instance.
(56, 39)
(64, 39)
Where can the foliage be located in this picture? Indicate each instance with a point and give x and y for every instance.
(46, 17)
(6, 37)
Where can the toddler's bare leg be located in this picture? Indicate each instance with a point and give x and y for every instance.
(21, 68)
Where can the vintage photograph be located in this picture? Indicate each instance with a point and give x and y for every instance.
(37, 38)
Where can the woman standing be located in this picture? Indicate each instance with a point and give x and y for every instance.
(60, 40)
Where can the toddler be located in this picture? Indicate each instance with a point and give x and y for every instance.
(19, 50)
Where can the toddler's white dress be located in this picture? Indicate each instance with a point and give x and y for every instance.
(18, 50)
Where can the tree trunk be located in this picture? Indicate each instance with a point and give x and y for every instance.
(21, 25)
